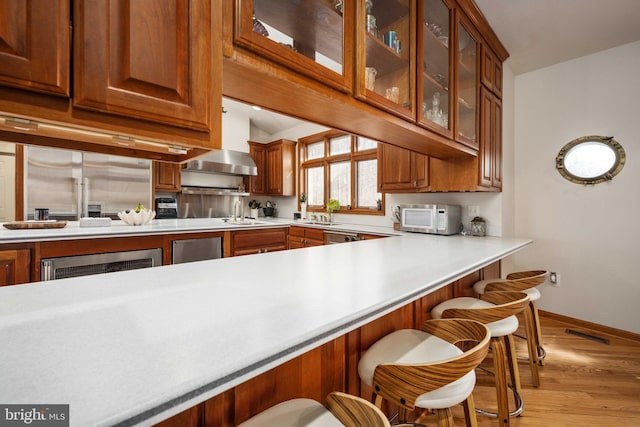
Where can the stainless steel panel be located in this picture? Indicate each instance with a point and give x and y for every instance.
(189, 250)
(208, 206)
(117, 183)
(52, 179)
(226, 162)
(68, 182)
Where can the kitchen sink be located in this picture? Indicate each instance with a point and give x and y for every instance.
(323, 223)
(248, 222)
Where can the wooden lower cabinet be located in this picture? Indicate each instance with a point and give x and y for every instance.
(15, 267)
(193, 416)
(257, 241)
(330, 367)
(302, 237)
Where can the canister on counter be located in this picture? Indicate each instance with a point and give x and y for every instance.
(41, 214)
(478, 227)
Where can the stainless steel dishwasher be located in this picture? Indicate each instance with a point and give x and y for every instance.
(189, 250)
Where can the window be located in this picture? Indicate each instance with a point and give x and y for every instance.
(590, 159)
(335, 165)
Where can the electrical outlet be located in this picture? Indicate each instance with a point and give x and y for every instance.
(473, 211)
(554, 278)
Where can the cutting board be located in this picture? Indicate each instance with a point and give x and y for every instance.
(23, 225)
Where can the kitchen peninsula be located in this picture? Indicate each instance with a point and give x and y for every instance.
(140, 346)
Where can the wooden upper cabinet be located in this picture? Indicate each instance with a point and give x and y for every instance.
(467, 81)
(281, 163)
(312, 37)
(276, 164)
(15, 267)
(386, 63)
(490, 153)
(435, 70)
(166, 177)
(148, 60)
(258, 183)
(491, 71)
(401, 170)
(34, 45)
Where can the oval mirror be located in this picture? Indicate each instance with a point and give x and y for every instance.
(590, 159)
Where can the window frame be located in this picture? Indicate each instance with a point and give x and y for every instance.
(608, 141)
(353, 157)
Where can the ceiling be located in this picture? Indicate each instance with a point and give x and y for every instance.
(265, 120)
(540, 33)
(537, 34)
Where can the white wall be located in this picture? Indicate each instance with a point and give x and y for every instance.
(590, 235)
(235, 131)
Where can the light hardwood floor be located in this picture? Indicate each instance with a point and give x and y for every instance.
(582, 383)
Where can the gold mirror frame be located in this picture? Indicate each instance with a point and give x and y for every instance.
(617, 166)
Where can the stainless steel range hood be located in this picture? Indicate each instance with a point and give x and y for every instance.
(225, 162)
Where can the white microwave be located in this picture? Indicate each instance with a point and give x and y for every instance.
(432, 219)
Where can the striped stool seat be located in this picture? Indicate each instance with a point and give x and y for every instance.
(342, 410)
(426, 369)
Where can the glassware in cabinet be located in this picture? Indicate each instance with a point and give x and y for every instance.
(308, 36)
(467, 85)
(434, 54)
(385, 42)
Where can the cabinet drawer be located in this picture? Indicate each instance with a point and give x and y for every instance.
(259, 239)
(297, 231)
(314, 234)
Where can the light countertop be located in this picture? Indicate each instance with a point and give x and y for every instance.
(139, 346)
(118, 228)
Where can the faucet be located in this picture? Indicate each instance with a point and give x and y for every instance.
(237, 211)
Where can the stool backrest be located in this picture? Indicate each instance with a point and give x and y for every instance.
(532, 277)
(403, 383)
(505, 304)
(353, 411)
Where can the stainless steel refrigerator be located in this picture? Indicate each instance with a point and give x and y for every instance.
(73, 184)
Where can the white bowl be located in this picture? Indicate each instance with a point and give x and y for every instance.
(136, 218)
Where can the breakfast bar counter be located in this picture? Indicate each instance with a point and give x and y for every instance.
(137, 347)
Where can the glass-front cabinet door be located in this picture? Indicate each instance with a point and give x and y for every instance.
(308, 36)
(386, 74)
(466, 125)
(434, 68)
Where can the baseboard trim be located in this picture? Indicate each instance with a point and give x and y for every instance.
(619, 333)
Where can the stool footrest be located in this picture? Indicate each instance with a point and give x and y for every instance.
(518, 400)
(542, 353)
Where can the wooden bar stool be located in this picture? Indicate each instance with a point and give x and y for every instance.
(430, 368)
(497, 310)
(342, 410)
(527, 282)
